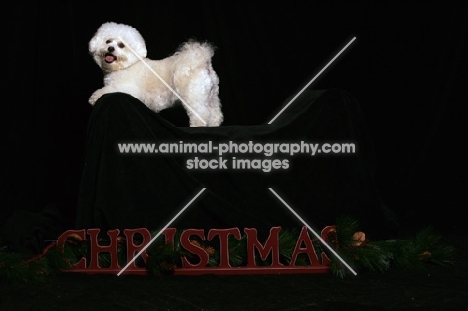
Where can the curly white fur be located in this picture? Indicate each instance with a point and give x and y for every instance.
(188, 72)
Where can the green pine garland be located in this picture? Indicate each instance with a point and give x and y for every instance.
(16, 269)
(360, 253)
(425, 248)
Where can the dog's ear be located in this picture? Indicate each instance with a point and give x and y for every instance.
(133, 37)
(140, 48)
(94, 44)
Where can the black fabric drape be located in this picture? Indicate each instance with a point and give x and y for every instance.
(147, 190)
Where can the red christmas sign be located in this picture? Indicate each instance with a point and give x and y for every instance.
(271, 247)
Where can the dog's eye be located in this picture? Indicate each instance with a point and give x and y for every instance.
(108, 41)
(121, 45)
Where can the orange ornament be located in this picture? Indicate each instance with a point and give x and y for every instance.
(359, 238)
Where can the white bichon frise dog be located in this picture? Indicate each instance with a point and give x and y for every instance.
(187, 76)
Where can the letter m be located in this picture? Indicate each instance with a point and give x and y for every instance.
(271, 246)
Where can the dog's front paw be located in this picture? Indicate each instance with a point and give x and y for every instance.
(96, 95)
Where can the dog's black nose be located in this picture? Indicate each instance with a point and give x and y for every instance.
(110, 49)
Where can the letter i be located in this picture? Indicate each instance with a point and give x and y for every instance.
(233, 162)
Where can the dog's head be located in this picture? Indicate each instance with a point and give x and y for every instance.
(109, 47)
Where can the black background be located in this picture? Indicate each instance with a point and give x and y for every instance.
(407, 67)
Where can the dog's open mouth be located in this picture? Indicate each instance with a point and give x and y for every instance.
(109, 58)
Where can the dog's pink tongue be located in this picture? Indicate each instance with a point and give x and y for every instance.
(110, 58)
